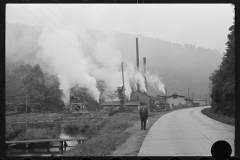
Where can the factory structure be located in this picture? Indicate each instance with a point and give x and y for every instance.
(139, 96)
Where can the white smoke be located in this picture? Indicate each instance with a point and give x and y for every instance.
(78, 64)
(155, 82)
(82, 68)
(135, 76)
(68, 62)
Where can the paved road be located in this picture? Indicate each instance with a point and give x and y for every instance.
(185, 132)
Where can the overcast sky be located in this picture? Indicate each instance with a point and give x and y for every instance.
(202, 25)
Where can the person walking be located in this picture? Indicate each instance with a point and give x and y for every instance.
(143, 115)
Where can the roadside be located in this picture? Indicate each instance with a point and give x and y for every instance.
(136, 136)
(119, 134)
(222, 118)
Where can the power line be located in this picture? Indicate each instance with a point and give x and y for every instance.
(69, 18)
(71, 31)
(80, 29)
(54, 23)
(49, 27)
(55, 32)
(79, 37)
(82, 22)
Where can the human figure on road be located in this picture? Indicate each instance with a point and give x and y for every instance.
(143, 115)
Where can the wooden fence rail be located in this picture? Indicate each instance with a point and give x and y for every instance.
(30, 143)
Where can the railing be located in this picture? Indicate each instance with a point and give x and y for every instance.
(30, 143)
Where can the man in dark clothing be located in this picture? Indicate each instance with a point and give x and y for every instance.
(143, 115)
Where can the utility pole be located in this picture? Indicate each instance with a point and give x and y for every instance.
(137, 50)
(209, 92)
(123, 87)
(166, 94)
(206, 99)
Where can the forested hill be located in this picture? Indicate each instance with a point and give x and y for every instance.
(179, 66)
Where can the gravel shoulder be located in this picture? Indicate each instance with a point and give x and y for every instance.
(132, 146)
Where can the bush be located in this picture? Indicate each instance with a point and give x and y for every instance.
(219, 117)
(101, 145)
(12, 134)
(39, 134)
(83, 127)
(112, 112)
(120, 125)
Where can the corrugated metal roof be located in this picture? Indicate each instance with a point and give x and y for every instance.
(142, 93)
(175, 94)
(117, 103)
(199, 99)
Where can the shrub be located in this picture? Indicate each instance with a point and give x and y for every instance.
(14, 133)
(82, 127)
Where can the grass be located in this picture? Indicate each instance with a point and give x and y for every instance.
(106, 134)
(34, 117)
(12, 134)
(18, 132)
(219, 117)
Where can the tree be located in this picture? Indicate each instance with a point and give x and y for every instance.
(53, 93)
(120, 94)
(32, 89)
(13, 81)
(82, 95)
(223, 79)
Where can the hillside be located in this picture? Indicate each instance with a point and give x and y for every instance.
(179, 66)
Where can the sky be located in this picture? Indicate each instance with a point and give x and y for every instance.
(202, 25)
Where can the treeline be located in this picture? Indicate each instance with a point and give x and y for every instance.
(31, 90)
(223, 80)
(81, 95)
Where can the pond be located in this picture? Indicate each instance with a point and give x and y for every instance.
(40, 149)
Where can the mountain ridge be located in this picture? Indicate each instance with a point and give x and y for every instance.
(179, 66)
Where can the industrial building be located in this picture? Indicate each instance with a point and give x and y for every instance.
(148, 100)
(189, 101)
(175, 100)
(133, 105)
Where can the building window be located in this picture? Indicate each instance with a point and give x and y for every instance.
(153, 101)
(175, 97)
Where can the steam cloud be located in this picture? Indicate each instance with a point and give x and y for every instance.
(155, 82)
(76, 65)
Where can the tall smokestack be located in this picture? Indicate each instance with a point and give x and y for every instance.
(137, 60)
(144, 70)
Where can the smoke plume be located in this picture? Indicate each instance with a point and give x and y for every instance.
(77, 59)
(155, 82)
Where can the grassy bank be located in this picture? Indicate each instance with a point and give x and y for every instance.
(38, 126)
(136, 136)
(22, 133)
(109, 134)
(106, 134)
(222, 118)
(34, 117)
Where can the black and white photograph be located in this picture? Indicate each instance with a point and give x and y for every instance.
(95, 79)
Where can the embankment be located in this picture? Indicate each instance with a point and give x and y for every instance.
(219, 117)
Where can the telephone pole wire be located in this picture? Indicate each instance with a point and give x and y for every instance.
(123, 86)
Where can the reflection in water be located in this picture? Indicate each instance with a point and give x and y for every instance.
(41, 149)
(69, 143)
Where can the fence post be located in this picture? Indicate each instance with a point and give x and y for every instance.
(60, 147)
